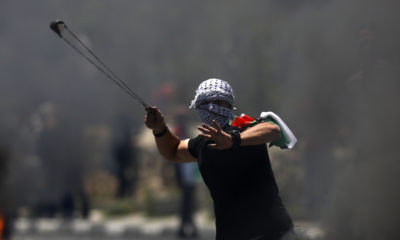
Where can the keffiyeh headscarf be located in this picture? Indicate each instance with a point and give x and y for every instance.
(209, 90)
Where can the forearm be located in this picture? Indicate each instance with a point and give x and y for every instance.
(167, 144)
(259, 134)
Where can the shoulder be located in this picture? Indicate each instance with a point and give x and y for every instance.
(194, 145)
(195, 142)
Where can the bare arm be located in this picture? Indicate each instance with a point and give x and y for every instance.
(259, 134)
(169, 145)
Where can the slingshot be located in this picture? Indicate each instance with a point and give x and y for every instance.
(59, 27)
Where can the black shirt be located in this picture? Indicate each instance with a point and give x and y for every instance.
(243, 187)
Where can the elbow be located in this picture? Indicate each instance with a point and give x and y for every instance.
(171, 157)
(168, 151)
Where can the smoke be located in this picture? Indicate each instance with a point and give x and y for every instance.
(340, 66)
(329, 68)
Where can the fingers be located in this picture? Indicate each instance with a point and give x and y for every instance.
(151, 109)
(152, 117)
(149, 120)
(216, 124)
(208, 127)
(206, 133)
(219, 128)
(208, 130)
(208, 136)
(204, 130)
(221, 139)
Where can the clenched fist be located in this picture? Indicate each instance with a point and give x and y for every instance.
(154, 119)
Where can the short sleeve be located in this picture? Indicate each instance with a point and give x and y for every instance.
(194, 146)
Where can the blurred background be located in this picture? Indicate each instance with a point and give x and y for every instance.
(76, 160)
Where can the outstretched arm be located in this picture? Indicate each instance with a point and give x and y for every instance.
(259, 134)
(168, 144)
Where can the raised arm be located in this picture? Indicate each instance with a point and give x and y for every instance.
(168, 144)
(259, 134)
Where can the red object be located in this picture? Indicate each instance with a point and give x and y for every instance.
(164, 93)
(242, 121)
(1, 225)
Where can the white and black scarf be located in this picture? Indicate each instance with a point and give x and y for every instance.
(213, 89)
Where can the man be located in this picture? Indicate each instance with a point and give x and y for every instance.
(233, 162)
(187, 179)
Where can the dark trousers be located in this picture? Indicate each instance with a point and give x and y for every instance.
(187, 205)
(187, 227)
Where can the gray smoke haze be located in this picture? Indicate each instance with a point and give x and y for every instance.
(329, 68)
(340, 62)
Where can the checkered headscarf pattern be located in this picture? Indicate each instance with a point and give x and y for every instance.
(209, 112)
(213, 89)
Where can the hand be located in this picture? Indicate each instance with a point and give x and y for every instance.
(222, 139)
(154, 119)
